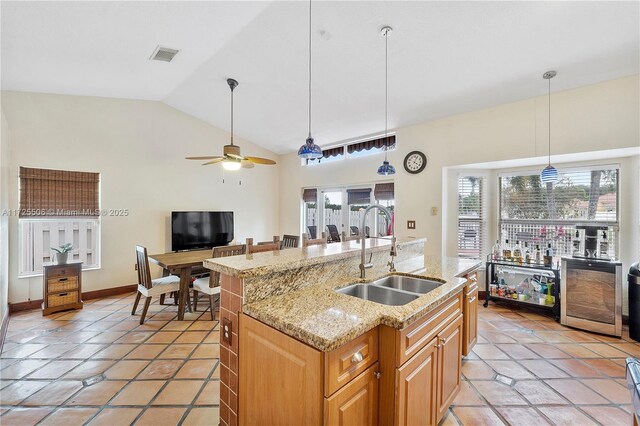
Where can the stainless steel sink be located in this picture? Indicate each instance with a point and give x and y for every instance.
(382, 295)
(414, 285)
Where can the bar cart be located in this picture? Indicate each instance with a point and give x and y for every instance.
(526, 284)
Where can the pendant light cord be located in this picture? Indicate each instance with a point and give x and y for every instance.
(232, 116)
(549, 121)
(309, 68)
(386, 91)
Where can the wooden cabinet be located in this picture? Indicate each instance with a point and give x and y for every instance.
(470, 324)
(356, 404)
(449, 365)
(62, 287)
(416, 388)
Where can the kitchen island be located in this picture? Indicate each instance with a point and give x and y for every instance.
(277, 307)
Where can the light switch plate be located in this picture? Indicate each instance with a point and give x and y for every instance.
(434, 211)
(411, 224)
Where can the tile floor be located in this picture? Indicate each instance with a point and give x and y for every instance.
(98, 366)
(528, 369)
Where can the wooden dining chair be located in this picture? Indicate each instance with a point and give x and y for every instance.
(148, 287)
(306, 241)
(289, 241)
(211, 285)
(274, 246)
(346, 237)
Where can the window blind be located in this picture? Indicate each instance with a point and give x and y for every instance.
(51, 193)
(384, 191)
(310, 195)
(471, 216)
(359, 196)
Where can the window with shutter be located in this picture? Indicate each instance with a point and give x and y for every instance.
(471, 217)
(540, 214)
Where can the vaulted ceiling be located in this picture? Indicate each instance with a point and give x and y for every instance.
(445, 57)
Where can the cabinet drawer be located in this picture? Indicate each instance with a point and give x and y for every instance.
(60, 299)
(63, 271)
(356, 403)
(61, 284)
(343, 364)
(414, 337)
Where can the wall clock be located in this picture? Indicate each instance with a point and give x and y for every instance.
(415, 162)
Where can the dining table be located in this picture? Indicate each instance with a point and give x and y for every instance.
(181, 263)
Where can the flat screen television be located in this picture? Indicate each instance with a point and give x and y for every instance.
(200, 230)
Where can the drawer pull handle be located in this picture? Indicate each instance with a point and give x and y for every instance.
(357, 357)
(443, 340)
(438, 346)
(377, 374)
(472, 298)
(62, 294)
(63, 279)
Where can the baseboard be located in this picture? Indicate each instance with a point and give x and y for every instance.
(3, 329)
(87, 295)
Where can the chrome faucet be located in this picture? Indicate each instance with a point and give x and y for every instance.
(368, 265)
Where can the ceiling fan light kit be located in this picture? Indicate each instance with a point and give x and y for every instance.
(231, 158)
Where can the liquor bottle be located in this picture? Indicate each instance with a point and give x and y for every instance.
(548, 256)
(538, 254)
(506, 251)
(576, 244)
(495, 251)
(527, 253)
(604, 246)
(517, 253)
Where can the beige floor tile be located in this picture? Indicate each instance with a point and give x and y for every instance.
(20, 369)
(576, 392)
(161, 416)
(83, 351)
(610, 416)
(632, 349)
(114, 351)
(477, 369)
(547, 351)
(543, 369)
(497, 337)
(497, 393)
(115, 417)
(192, 337)
(449, 419)
(204, 325)
(202, 417)
(550, 336)
(53, 351)
(605, 350)
(135, 337)
(489, 351)
(18, 391)
(517, 351)
(163, 369)
(610, 389)
(197, 369)
(177, 325)
(539, 393)
(24, 416)
(468, 396)
(566, 416)
(607, 367)
(54, 369)
(164, 337)
(576, 368)
(510, 369)
(54, 393)
(125, 370)
(206, 351)
(212, 337)
(97, 394)
(22, 351)
(178, 351)
(138, 392)
(522, 416)
(146, 351)
(181, 392)
(69, 416)
(89, 369)
(477, 416)
(107, 337)
(210, 394)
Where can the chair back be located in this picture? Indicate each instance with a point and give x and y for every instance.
(144, 274)
(224, 251)
(354, 230)
(346, 237)
(333, 233)
(274, 246)
(306, 241)
(289, 241)
(313, 231)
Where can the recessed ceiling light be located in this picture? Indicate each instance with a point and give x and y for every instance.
(164, 54)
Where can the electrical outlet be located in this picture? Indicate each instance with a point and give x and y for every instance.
(135, 266)
(227, 330)
(411, 224)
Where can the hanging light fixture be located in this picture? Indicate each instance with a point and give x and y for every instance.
(386, 168)
(310, 150)
(549, 174)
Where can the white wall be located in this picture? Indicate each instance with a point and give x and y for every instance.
(138, 147)
(4, 219)
(591, 118)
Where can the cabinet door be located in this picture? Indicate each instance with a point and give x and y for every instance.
(449, 365)
(470, 319)
(356, 404)
(416, 388)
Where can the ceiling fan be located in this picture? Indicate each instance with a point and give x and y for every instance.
(231, 158)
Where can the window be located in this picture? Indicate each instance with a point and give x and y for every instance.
(343, 207)
(58, 207)
(471, 217)
(328, 155)
(540, 214)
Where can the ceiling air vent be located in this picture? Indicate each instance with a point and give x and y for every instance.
(163, 54)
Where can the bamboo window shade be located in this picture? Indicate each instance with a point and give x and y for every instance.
(45, 192)
(359, 196)
(310, 195)
(389, 142)
(384, 191)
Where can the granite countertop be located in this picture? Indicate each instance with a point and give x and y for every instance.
(325, 319)
(252, 265)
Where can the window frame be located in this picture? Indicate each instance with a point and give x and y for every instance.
(482, 220)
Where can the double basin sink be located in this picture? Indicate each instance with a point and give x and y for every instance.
(393, 290)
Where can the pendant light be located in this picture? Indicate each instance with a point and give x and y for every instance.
(549, 174)
(310, 150)
(231, 163)
(386, 168)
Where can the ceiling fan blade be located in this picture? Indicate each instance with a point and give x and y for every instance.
(259, 160)
(247, 164)
(236, 156)
(217, 160)
(210, 157)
